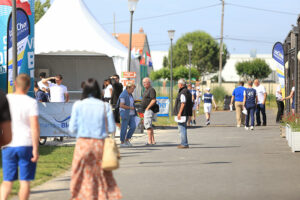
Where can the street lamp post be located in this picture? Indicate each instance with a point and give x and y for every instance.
(171, 36)
(190, 48)
(132, 6)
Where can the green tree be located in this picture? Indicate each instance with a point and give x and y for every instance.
(255, 69)
(178, 72)
(165, 62)
(40, 9)
(163, 73)
(205, 53)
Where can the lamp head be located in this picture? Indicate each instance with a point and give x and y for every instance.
(132, 5)
(190, 46)
(171, 34)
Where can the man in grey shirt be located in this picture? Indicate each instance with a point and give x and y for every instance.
(148, 101)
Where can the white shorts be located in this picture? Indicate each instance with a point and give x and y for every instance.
(207, 107)
(195, 106)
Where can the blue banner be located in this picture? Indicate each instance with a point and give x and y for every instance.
(278, 56)
(25, 46)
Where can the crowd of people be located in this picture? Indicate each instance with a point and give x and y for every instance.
(250, 102)
(94, 117)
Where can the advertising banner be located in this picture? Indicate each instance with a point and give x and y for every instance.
(54, 119)
(278, 56)
(25, 39)
(163, 103)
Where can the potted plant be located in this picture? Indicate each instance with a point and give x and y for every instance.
(292, 124)
(286, 128)
(295, 133)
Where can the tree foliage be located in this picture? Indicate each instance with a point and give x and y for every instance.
(204, 55)
(40, 9)
(178, 72)
(255, 69)
(165, 62)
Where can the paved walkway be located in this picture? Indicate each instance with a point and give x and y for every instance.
(224, 162)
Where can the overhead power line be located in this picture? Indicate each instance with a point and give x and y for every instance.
(247, 40)
(216, 39)
(164, 15)
(262, 9)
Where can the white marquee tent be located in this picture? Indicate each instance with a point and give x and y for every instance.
(70, 41)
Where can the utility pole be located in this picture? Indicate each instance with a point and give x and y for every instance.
(115, 24)
(221, 45)
(14, 43)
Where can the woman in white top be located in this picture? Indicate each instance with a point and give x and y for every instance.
(107, 90)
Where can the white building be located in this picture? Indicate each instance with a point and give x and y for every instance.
(229, 73)
(157, 59)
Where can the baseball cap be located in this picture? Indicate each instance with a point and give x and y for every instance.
(208, 89)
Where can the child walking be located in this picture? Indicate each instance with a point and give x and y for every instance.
(208, 99)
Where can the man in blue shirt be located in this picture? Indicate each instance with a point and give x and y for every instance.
(238, 97)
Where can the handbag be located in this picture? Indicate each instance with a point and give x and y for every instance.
(111, 153)
(155, 108)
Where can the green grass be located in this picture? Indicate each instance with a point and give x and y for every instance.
(53, 161)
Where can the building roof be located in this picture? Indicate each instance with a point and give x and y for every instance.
(68, 27)
(138, 39)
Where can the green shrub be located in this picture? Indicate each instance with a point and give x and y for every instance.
(271, 97)
(219, 94)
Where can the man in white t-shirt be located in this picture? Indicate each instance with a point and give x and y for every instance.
(19, 157)
(58, 92)
(260, 107)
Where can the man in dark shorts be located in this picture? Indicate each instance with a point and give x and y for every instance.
(5, 121)
(148, 101)
(117, 90)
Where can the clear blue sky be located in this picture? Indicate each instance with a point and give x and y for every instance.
(239, 23)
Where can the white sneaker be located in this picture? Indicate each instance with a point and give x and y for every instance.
(238, 126)
(246, 128)
(128, 143)
(252, 128)
(123, 145)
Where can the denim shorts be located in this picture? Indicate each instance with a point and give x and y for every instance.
(18, 157)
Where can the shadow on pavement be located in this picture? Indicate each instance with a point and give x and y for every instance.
(66, 179)
(45, 191)
(220, 147)
(213, 163)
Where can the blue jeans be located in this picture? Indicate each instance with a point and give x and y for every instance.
(130, 121)
(250, 113)
(261, 108)
(183, 132)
